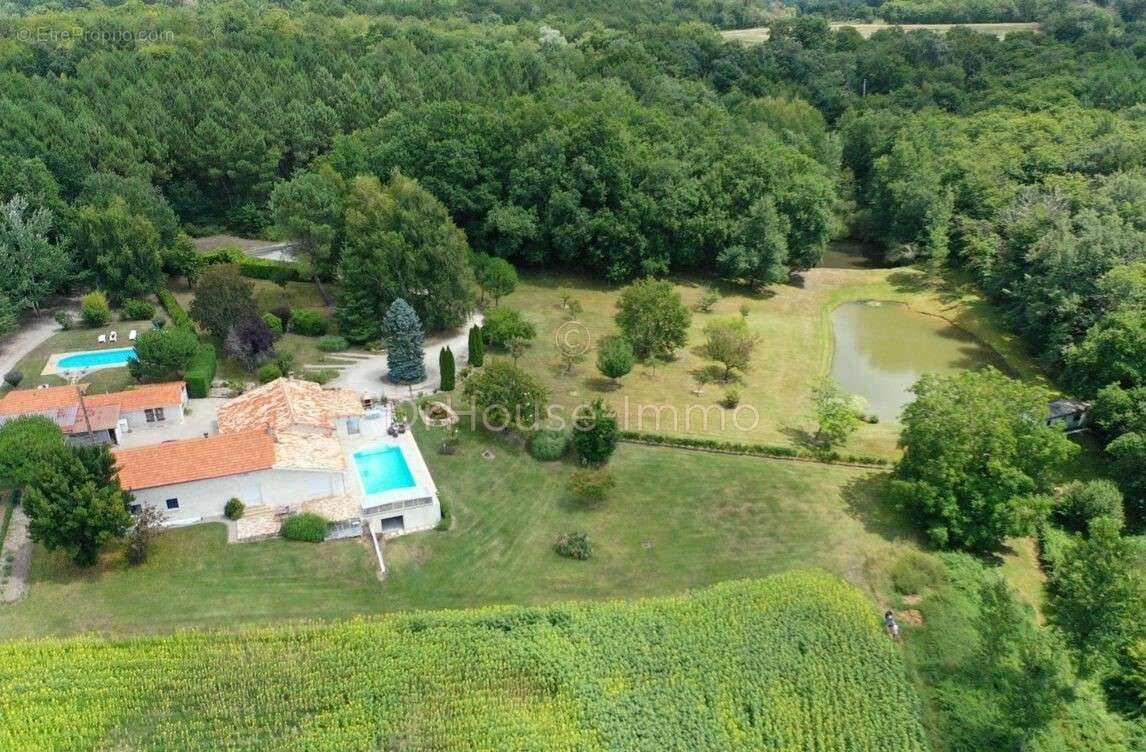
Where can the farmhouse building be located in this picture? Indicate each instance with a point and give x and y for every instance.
(99, 418)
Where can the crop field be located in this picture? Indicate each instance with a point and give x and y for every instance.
(794, 662)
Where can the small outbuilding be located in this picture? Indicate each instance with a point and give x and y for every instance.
(1073, 415)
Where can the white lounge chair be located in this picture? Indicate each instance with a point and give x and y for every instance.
(113, 337)
(101, 339)
(133, 335)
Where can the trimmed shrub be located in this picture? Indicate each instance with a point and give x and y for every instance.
(137, 310)
(333, 343)
(505, 324)
(94, 310)
(320, 377)
(305, 526)
(178, 316)
(274, 323)
(268, 269)
(595, 433)
(13, 378)
(731, 398)
(65, 320)
(477, 347)
(574, 545)
(201, 373)
(269, 372)
(548, 446)
(234, 509)
(591, 486)
(309, 323)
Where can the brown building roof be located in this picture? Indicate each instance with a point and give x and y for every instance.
(195, 459)
(23, 401)
(285, 403)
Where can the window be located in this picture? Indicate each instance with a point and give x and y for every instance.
(352, 426)
(135, 508)
(173, 503)
(154, 415)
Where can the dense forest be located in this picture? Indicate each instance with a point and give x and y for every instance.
(620, 139)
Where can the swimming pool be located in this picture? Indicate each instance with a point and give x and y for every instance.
(383, 468)
(97, 358)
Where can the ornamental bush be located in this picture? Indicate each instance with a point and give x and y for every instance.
(94, 310)
(13, 378)
(305, 526)
(332, 343)
(547, 446)
(137, 309)
(234, 509)
(274, 323)
(268, 372)
(574, 545)
(309, 323)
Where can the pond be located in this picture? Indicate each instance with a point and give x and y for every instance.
(851, 254)
(882, 348)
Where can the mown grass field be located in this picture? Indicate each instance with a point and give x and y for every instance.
(792, 322)
(796, 663)
(677, 520)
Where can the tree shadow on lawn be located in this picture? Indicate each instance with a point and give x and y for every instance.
(867, 498)
(800, 437)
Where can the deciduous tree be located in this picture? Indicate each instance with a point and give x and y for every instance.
(977, 457)
(653, 318)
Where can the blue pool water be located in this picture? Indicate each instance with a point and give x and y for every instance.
(98, 358)
(383, 469)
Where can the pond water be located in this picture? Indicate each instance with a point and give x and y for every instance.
(882, 348)
(851, 254)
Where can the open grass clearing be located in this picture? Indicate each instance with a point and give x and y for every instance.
(795, 348)
(866, 30)
(677, 520)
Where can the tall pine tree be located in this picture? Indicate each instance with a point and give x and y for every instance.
(446, 367)
(403, 334)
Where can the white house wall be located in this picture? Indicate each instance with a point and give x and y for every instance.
(137, 419)
(206, 498)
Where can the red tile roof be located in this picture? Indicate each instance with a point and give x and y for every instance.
(195, 459)
(22, 401)
(140, 397)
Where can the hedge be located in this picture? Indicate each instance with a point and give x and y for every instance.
(201, 372)
(1053, 544)
(261, 268)
(732, 447)
(178, 316)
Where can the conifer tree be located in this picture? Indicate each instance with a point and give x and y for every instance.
(477, 347)
(446, 367)
(403, 334)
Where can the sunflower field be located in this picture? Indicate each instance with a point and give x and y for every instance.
(794, 662)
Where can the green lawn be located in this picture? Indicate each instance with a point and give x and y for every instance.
(194, 578)
(795, 347)
(677, 520)
(104, 380)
